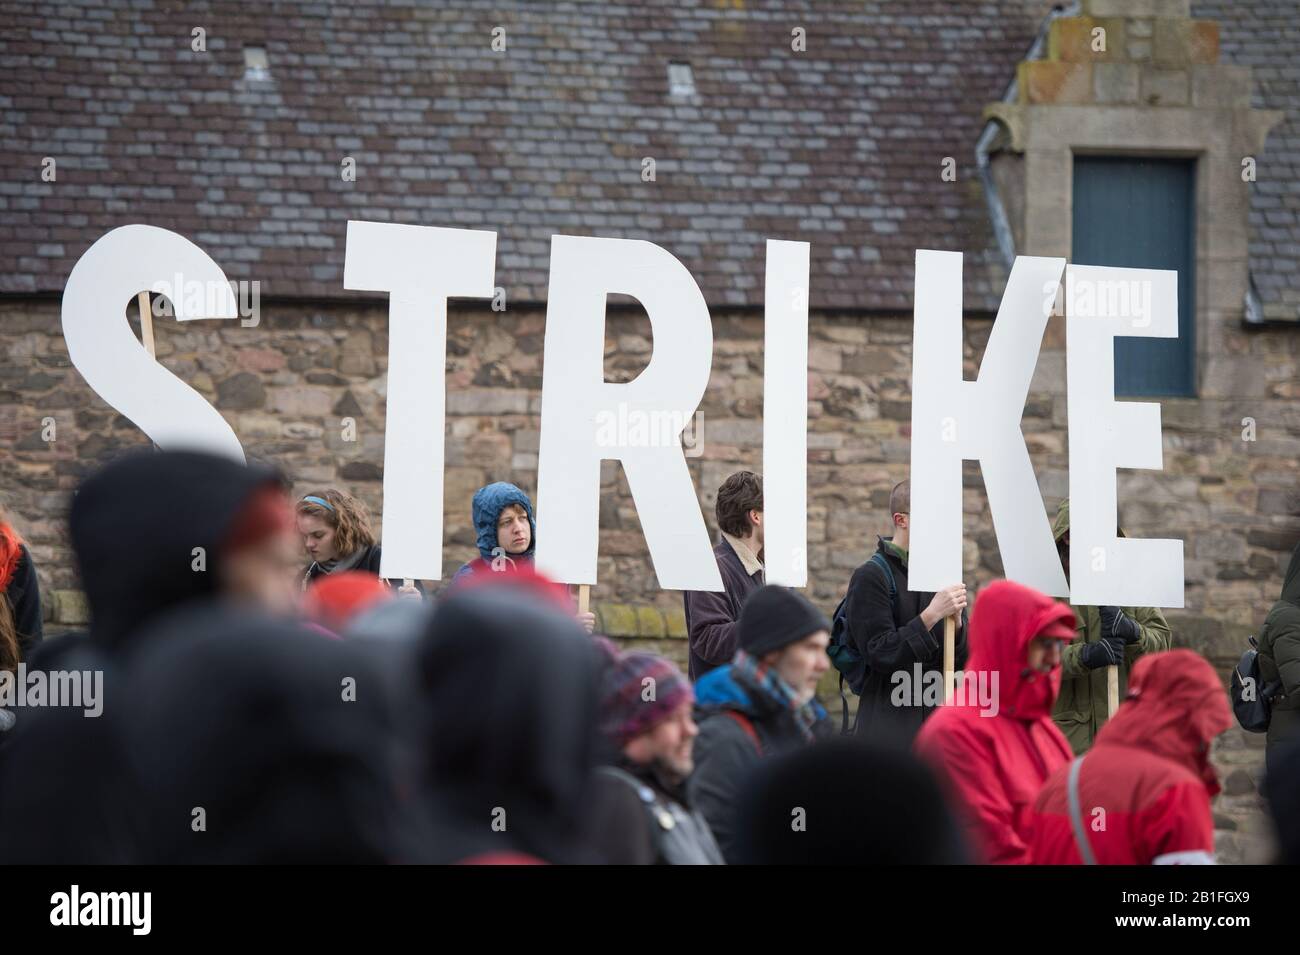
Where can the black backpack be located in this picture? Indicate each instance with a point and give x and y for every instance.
(844, 655)
(1252, 701)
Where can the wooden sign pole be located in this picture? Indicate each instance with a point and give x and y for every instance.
(1112, 690)
(146, 323)
(146, 326)
(949, 656)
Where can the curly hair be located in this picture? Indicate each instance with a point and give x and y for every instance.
(738, 495)
(348, 518)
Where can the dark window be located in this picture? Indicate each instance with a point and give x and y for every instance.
(1141, 214)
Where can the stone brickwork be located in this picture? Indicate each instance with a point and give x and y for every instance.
(287, 385)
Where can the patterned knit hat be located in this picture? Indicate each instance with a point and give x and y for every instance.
(629, 705)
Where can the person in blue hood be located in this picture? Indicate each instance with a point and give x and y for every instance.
(507, 535)
(507, 531)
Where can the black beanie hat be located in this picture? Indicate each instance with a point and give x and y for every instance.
(775, 617)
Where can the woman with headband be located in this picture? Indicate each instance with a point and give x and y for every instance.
(336, 534)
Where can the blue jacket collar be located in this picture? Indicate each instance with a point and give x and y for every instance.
(719, 688)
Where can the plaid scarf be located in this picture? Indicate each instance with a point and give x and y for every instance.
(767, 682)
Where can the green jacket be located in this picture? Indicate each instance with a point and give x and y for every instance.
(1279, 656)
(1081, 705)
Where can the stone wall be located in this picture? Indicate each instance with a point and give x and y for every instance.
(287, 384)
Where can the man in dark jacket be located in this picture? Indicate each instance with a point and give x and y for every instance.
(643, 815)
(1279, 661)
(763, 702)
(900, 638)
(711, 617)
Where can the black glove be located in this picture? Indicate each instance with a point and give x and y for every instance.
(1107, 651)
(1116, 623)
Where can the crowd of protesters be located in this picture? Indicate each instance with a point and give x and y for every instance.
(268, 697)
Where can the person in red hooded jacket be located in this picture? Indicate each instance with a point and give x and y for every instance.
(996, 747)
(1144, 789)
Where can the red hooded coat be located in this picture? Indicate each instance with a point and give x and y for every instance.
(1145, 786)
(996, 758)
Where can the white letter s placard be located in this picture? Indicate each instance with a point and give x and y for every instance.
(106, 352)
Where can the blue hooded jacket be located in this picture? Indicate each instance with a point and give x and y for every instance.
(487, 506)
(718, 688)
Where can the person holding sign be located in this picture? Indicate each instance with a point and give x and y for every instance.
(897, 634)
(504, 527)
(996, 754)
(506, 535)
(711, 617)
(336, 534)
(1107, 636)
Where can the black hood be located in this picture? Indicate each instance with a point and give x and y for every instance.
(247, 717)
(512, 694)
(135, 525)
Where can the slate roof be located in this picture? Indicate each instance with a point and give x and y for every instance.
(841, 145)
(1265, 35)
